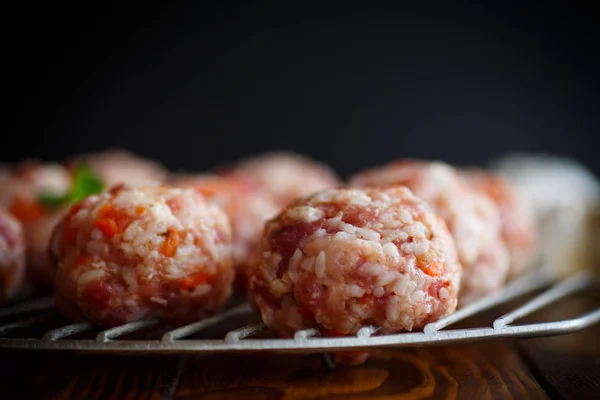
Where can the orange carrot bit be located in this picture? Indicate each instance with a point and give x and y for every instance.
(26, 210)
(207, 191)
(111, 221)
(108, 211)
(140, 210)
(105, 210)
(107, 226)
(191, 281)
(170, 244)
(433, 269)
(210, 188)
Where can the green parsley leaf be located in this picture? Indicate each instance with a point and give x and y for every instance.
(53, 201)
(85, 183)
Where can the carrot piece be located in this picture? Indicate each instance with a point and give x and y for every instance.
(106, 210)
(207, 191)
(170, 244)
(26, 210)
(111, 221)
(193, 280)
(107, 226)
(433, 269)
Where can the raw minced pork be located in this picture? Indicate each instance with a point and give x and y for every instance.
(346, 258)
(245, 204)
(564, 196)
(12, 256)
(21, 188)
(137, 253)
(518, 231)
(473, 219)
(286, 176)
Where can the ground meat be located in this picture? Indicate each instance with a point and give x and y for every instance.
(245, 204)
(518, 229)
(396, 268)
(286, 176)
(21, 190)
(12, 256)
(564, 197)
(137, 253)
(473, 219)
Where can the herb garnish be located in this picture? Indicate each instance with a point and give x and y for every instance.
(85, 183)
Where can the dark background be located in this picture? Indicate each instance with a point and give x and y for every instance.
(196, 85)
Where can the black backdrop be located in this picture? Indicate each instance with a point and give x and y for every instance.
(196, 85)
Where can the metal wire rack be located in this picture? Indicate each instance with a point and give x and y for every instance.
(25, 316)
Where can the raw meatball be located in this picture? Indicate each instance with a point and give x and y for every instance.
(472, 218)
(137, 253)
(286, 176)
(517, 224)
(21, 191)
(12, 256)
(245, 204)
(490, 269)
(550, 182)
(346, 258)
(565, 197)
(115, 167)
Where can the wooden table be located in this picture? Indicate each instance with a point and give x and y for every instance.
(559, 367)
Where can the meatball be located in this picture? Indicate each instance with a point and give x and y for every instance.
(473, 219)
(286, 176)
(550, 182)
(518, 230)
(136, 253)
(564, 196)
(115, 167)
(22, 190)
(490, 269)
(12, 256)
(346, 258)
(245, 204)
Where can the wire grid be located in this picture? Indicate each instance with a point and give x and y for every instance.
(309, 340)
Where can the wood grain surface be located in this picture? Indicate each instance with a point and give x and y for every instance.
(566, 367)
